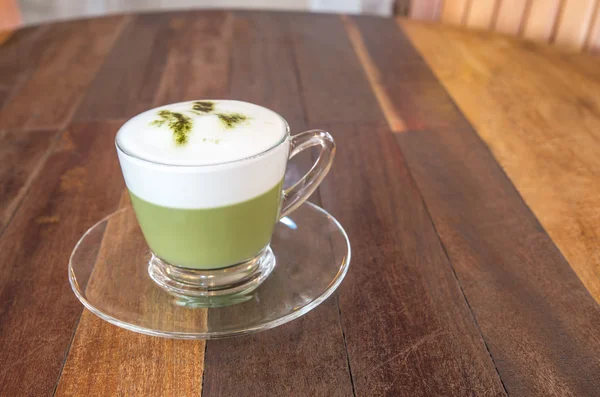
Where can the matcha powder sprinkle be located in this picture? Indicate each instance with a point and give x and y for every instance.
(180, 124)
(203, 106)
(230, 120)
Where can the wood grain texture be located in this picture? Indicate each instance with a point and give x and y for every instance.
(374, 76)
(197, 64)
(108, 361)
(455, 287)
(402, 310)
(49, 98)
(262, 66)
(574, 23)
(195, 46)
(127, 82)
(527, 300)
(547, 142)
(454, 12)
(511, 15)
(336, 94)
(306, 357)
(21, 52)
(404, 74)
(111, 361)
(23, 155)
(541, 19)
(481, 14)
(38, 312)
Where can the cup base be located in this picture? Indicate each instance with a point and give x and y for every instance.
(212, 287)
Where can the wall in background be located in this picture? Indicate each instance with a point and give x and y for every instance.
(37, 11)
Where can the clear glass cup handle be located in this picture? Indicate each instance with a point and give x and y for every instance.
(301, 190)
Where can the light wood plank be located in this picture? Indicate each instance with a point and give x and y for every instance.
(426, 10)
(510, 16)
(539, 111)
(454, 11)
(481, 14)
(108, 361)
(4, 35)
(574, 24)
(541, 19)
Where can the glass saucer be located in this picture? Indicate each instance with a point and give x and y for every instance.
(108, 271)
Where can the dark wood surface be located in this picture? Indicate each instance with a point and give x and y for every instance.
(455, 288)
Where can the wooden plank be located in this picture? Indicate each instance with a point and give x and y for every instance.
(537, 153)
(374, 76)
(529, 304)
(593, 39)
(4, 93)
(127, 82)
(19, 54)
(574, 24)
(481, 14)
(49, 98)
(5, 34)
(426, 10)
(455, 12)
(401, 74)
(419, 337)
(262, 66)
(334, 82)
(377, 357)
(287, 360)
(38, 311)
(203, 61)
(541, 19)
(23, 154)
(511, 16)
(110, 361)
(188, 62)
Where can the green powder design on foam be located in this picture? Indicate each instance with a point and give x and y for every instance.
(230, 120)
(179, 123)
(203, 106)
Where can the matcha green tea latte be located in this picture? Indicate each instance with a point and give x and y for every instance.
(205, 179)
(213, 237)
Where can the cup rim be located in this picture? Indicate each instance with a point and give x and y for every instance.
(244, 159)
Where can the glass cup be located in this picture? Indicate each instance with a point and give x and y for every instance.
(215, 241)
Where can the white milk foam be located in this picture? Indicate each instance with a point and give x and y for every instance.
(219, 163)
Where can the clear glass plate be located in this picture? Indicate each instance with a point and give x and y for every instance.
(108, 271)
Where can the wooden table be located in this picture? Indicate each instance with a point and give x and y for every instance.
(467, 179)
